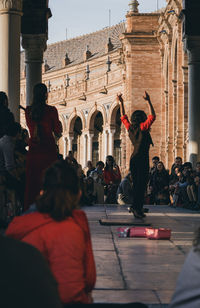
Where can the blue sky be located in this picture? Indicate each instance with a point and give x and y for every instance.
(85, 16)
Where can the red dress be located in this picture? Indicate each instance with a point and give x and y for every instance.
(40, 155)
(67, 247)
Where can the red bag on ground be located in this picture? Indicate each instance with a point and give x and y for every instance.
(137, 232)
(123, 231)
(158, 234)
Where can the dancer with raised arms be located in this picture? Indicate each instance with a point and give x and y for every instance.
(139, 134)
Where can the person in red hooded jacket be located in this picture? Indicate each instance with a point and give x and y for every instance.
(60, 231)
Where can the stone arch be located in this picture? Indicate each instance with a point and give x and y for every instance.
(92, 114)
(112, 113)
(72, 119)
(63, 123)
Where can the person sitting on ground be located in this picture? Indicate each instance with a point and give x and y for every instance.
(155, 161)
(149, 192)
(173, 180)
(90, 168)
(197, 169)
(26, 279)
(180, 196)
(159, 184)
(112, 179)
(71, 159)
(124, 191)
(89, 196)
(187, 294)
(59, 229)
(177, 163)
(98, 178)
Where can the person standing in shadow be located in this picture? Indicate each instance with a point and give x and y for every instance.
(44, 126)
(139, 134)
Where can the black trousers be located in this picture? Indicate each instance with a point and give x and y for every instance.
(139, 168)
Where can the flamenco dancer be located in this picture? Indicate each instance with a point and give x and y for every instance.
(141, 139)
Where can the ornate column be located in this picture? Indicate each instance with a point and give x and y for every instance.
(84, 150)
(34, 45)
(105, 143)
(193, 48)
(111, 141)
(89, 151)
(64, 138)
(10, 28)
(70, 142)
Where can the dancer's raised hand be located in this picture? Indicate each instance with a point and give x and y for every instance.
(119, 97)
(146, 97)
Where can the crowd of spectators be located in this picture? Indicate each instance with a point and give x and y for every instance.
(178, 187)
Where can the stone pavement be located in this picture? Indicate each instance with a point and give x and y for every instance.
(138, 269)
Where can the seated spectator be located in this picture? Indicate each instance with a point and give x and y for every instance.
(61, 232)
(90, 168)
(70, 159)
(187, 293)
(89, 196)
(180, 196)
(112, 178)
(9, 179)
(98, 178)
(125, 191)
(197, 169)
(192, 191)
(149, 196)
(155, 161)
(177, 163)
(173, 180)
(159, 184)
(26, 280)
(20, 153)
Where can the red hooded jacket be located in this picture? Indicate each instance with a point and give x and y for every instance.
(67, 247)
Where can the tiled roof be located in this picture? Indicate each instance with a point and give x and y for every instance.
(75, 48)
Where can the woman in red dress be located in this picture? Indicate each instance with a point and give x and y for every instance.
(44, 125)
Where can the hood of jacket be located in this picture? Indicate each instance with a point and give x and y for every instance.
(21, 226)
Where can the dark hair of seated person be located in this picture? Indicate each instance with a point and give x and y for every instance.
(61, 191)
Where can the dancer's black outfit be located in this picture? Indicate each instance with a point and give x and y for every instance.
(139, 161)
(141, 139)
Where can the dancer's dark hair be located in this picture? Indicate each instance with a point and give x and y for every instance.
(137, 117)
(39, 102)
(38, 107)
(60, 191)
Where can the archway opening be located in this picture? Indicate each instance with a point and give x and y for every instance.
(97, 139)
(117, 138)
(76, 146)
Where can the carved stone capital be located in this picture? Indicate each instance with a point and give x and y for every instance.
(11, 5)
(34, 45)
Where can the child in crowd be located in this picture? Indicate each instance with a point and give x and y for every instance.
(61, 232)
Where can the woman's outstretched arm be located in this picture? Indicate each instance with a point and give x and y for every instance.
(121, 103)
(151, 109)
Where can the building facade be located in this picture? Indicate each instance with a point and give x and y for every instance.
(84, 75)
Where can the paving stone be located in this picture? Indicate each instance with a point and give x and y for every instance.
(125, 296)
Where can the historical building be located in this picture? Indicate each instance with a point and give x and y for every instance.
(84, 74)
